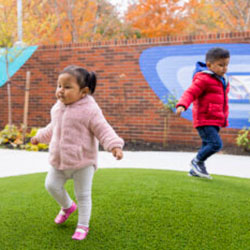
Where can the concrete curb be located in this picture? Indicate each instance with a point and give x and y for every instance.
(17, 162)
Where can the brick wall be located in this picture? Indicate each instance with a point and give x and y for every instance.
(127, 101)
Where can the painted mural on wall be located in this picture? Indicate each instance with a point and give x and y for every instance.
(168, 70)
(16, 59)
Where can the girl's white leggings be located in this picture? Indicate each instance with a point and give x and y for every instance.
(83, 177)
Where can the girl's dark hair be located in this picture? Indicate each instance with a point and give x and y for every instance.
(83, 77)
(217, 53)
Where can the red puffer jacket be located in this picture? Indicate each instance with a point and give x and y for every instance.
(210, 100)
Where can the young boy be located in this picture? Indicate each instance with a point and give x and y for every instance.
(209, 94)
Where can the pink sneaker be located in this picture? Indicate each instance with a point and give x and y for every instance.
(65, 213)
(80, 233)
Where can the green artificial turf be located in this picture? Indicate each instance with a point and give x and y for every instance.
(132, 209)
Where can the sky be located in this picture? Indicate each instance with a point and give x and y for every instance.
(121, 5)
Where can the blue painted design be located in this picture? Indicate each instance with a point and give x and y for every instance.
(168, 71)
(17, 58)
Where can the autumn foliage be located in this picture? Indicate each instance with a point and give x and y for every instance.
(62, 21)
(66, 21)
(156, 17)
(203, 16)
(173, 17)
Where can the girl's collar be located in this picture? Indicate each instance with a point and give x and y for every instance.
(83, 100)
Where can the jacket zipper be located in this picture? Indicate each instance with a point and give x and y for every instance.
(224, 105)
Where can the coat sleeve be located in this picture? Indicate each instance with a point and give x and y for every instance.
(104, 132)
(193, 92)
(44, 134)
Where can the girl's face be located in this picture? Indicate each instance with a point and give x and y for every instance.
(68, 91)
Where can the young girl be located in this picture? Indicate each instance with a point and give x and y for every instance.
(76, 124)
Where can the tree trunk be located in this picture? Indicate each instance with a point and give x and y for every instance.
(26, 105)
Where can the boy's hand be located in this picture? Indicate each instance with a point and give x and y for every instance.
(179, 110)
(34, 141)
(117, 153)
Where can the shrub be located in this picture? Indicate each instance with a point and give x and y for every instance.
(12, 137)
(243, 139)
(170, 102)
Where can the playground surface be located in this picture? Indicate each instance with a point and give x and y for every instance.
(18, 162)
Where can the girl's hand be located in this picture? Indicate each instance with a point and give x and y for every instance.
(34, 141)
(179, 110)
(117, 153)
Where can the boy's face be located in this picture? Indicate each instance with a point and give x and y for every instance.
(219, 66)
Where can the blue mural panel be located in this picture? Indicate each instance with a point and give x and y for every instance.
(168, 70)
(17, 58)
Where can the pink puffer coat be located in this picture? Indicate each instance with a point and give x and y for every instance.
(74, 132)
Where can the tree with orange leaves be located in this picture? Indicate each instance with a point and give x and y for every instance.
(39, 21)
(156, 17)
(204, 16)
(7, 39)
(201, 17)
(170, 17)
(8, 23)
(234, 13)
(65, 21)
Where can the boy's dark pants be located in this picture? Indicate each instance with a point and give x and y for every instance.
(211, 141)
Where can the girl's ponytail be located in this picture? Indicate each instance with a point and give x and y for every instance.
(91, 82)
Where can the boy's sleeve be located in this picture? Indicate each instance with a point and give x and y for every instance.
(44, 134)
(192, 93)
(104, 132)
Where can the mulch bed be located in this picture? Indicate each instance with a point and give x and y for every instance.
(147, 146)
